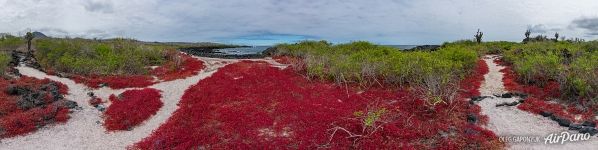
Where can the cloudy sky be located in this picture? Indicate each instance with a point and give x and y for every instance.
(262, 22)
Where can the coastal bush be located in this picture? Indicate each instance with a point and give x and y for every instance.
(95, 57)
(9, 42)
(5, 59)
(572, 65)
(490, 47)
(537, 101)
(584, 76)
(131, 108)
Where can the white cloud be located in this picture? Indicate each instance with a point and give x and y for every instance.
(381, 21)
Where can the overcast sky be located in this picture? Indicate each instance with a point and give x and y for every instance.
(262, 22)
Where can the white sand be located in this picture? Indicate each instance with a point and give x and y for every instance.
(84, 130)
(510, 121)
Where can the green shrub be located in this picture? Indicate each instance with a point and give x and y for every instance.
(573, 64)
(4, 61)
(584, 76)
(106, 57)
(9, 42)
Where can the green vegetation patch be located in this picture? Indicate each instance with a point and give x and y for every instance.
(4, 61)
(98, 57)
(573, 64)
(9, 42)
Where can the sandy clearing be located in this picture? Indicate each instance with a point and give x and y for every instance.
(84, 129)
(510, 121)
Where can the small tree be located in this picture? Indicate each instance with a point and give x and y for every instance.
(478, 36)
(29, 38)
(556, 37)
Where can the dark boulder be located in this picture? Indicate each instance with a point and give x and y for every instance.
(575, 127)
(477, 99)
(590, 130)
(31, 100)
(521, 95)
(70, 104)
(15, 90)
(53, 89)
(563, 122)
(512, 103)
(507, 104)
(472, 118)
(554, 118)
(545, 114)
(507, 95)
(589, 124)
(424, 48)
(522, 100)
(90, 94)
(271, 51)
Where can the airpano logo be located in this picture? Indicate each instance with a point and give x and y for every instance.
(563, 137)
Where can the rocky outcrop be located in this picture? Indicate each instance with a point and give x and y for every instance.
(424, 48)
(213, 53)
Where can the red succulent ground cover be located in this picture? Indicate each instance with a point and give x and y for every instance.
(131, 108)
(539, 96)
(189, 67)
(251, 105)
(471, 84)
(16, 120)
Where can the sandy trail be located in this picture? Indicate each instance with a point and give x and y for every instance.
(510, 121)
(84, 129)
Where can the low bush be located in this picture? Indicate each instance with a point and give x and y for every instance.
(539, 97)
(9, 42)
(131, 108)
(252, 105)
(5, 59)
(572, 65)
(98, 57)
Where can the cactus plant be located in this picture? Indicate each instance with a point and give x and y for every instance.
(478, 36)
(29, 38)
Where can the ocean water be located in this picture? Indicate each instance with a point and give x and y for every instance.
(259, 49)
(244, 50)
(403, 47)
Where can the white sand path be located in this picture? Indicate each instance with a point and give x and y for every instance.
(84, 129)
(511, 121)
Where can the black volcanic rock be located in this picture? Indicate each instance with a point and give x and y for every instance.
(270, 51)
(589, 124)
(590, 130)
(424, 48)
(213, 53)
(545, 114)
